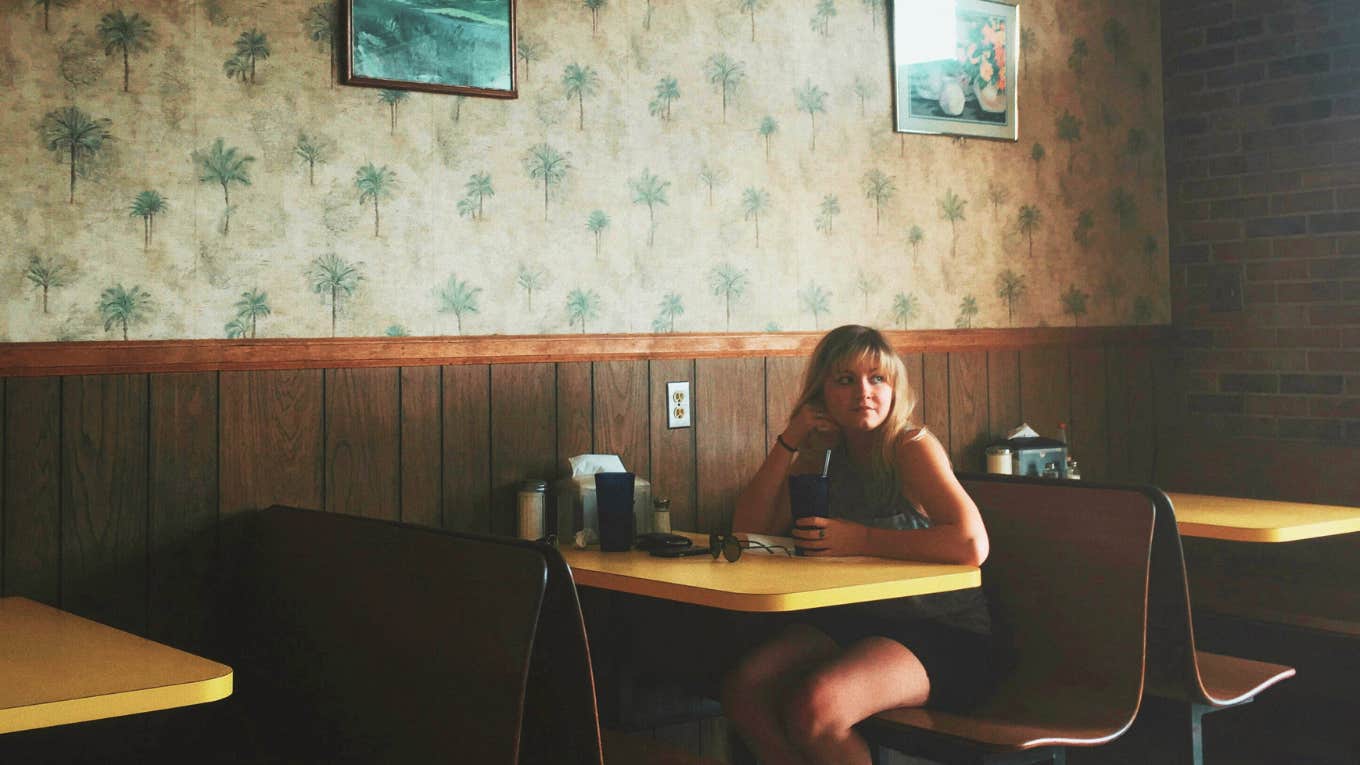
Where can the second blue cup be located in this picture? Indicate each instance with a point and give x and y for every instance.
(614, 504)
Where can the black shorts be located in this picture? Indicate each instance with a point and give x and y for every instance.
(959, 662)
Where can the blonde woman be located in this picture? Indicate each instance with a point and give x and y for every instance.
(796, 698)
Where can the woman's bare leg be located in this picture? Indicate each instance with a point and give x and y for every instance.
(752, 695)
(870, 676)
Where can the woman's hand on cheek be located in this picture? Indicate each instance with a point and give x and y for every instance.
(811, 419)
(829, 536)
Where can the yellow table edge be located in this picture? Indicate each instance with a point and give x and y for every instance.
(68, 711)
(1290, 532)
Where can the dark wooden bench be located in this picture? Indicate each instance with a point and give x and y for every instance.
(1068, 582)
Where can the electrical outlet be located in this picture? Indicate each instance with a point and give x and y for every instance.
(678, 404)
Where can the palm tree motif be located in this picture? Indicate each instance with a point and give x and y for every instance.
(915, 236)
(749, 7)
(458, 298)
(319, 24)
(118, 305)
(1109, 116)
(579, 82)
(393, 99)
(768, 127)
(1028, 222)
(396, 330)
(711, 176)
(1150, 246)
(864, 88)
(906, 307)
(726, 75)
(1028, 42)
(331, 275)
(1010, 287)
(650, 190)
(1116, 38)
(816, 301)
(312, 152)
(127, 35)
(812, 99)
(235, 329)
(953, 209)
(1125, 210)
(827, 212)
(253, 306)
(1036, 155)
(998, 195)
(753, 203)
(236, 68)
(1081, 233)
(1074, 303)
(224, 166)
(45, 275)
(251, 47)
(596, 223)
(1069, 131)
(671, 307)
(878, 188)
(1135, 146)
(666, 91)
(647, 16)
(458, 107)
(821, 18)
(478, 188)
(1114, 286)
(529, 51)
(374, 183)
(867, 284)
(1142, 310)
(1076, 60)
(147, 206)
(75, 136)
(544, 163)
(594, 6)
(47, 6)
(582, 305)
(530, 279)
(727, 282)
(967, 310)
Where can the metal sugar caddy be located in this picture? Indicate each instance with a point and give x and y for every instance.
(1036, 456)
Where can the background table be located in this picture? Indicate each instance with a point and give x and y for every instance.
(58, 668)
(1259, 520)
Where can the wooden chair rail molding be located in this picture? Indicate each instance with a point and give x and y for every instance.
(85, 358)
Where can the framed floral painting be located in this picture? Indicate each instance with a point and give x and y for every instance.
(955, 68)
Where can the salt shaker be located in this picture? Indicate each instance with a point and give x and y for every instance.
(532, 494)
(661, 515)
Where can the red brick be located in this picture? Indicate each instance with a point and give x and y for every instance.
(1307, 201)
(1288, 315)
(1290, 180)
(1256, 249)
(1348, 245)
(1330, 315)
(1307, 292)
(1188, 211)
(1303, 157)
(1332, 130)
(1335, 407)
(1241, 207)
(1353, 385)
(1258, 293)
(1345, 152)
(1276, 270)
(1212, 231)
(1245, 337)
(1282, 360)
(1308, 337)
(1213, 188)
(1334, 361)
(1348, 199)
(1350, 338)
(1334, 268)
(1350, 292)
(1287, 406)
(1304, 247)
(1328, 177)
(1311, 429)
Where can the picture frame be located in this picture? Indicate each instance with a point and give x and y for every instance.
(956, 68)
(463, 47)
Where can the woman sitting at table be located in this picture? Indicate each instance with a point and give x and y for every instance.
(796, 698)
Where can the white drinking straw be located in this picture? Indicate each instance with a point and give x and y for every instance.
(826, 464)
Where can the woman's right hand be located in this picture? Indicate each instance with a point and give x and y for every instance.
(811, 427)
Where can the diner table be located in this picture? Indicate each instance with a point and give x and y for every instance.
(58, 668)
(1239, 519)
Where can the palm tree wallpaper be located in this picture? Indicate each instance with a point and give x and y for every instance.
(191, 170)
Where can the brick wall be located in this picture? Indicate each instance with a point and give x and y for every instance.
(1263, 166)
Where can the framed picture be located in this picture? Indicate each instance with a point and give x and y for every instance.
(955, 68)
(440, 46)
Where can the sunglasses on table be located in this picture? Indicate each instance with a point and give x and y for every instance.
(730, 547)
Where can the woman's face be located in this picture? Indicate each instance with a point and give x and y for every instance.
(858, 396)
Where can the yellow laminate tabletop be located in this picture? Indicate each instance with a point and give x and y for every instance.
(1259, 520)
(58, 668)
(762, 582)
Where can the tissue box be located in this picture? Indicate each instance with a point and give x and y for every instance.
(1031, 455)
(576, 508)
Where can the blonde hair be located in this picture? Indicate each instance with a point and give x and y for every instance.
(849, 345)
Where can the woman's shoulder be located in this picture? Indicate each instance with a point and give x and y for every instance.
(913, 439)
(918, 446)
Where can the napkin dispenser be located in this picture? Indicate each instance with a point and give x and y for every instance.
(576, 504)
(1037, 456)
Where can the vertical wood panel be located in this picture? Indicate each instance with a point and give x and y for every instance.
(271, 449)
(467, 448)
(421, 440)
(32, 553)
(623, 413)
(363, 414)
(1003, 392)
(1088, 429)
(1140, 410)
(183, 508)
(783, 383)
(935, 395)
(1119, 366)
(673, 470)
(104, 499)
(1045, 389)
(575, 413)
(968, 411)
(916, 379)
(1168, 411)
(730, 428)
(523, 436)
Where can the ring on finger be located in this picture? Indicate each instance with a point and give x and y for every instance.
(821, 533)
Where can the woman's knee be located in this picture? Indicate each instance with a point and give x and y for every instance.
(816, 709)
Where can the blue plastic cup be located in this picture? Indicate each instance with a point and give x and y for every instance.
(614, 505)
(809, 495)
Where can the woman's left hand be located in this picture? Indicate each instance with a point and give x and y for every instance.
(816, 535)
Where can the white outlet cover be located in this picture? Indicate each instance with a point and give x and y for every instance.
(679, 405)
